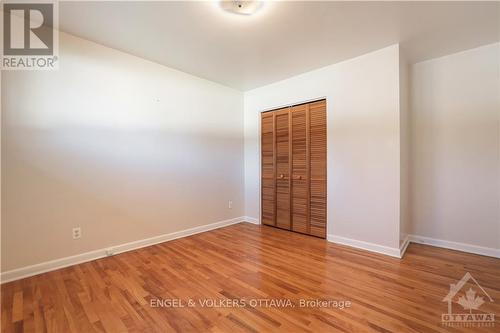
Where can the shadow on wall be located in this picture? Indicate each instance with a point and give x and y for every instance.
(117, 185)
(123, 147)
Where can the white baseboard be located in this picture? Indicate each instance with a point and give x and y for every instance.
(404, 246)
(48, 266)
(390, 251)
(469, 248)
(399, 253)
(251, 219)
(51, 265)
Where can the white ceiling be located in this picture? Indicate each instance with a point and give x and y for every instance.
(283, 39)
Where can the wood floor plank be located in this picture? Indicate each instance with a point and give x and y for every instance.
(243, 263)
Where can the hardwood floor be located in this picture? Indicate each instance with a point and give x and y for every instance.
(246, 263)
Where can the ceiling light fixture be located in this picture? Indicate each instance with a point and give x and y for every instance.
(241, 7)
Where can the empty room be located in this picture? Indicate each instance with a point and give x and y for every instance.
(250, 166)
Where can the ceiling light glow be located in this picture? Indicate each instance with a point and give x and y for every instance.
(241, 7)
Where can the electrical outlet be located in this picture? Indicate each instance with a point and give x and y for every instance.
(230, 204)
(77, 233)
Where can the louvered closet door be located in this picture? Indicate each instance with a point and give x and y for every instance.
(268, 175)
(282, 168)
(317, 138)
(294, 168)
(300, 168)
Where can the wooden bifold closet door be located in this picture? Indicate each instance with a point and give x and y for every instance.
(293, 174)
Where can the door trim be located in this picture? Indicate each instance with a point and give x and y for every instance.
(284, 106)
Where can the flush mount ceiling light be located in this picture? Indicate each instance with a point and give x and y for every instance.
(245, 7)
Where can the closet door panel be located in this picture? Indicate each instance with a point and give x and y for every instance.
(268, 192)
(300, 169)
(317, 119)
(282, 169)
(318, 208)
(293, 170)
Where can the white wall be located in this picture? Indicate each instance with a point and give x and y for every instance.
(125, 148)
(128, 149)
(405, 147)
(363, 142)
(455, 147)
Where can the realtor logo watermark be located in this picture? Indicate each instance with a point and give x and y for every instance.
(30, 35)
(469, 294)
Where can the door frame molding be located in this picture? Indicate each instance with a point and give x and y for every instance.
(259, 139)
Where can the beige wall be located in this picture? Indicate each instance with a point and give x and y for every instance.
(125, 148)
(363, 142)
(455, 147)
